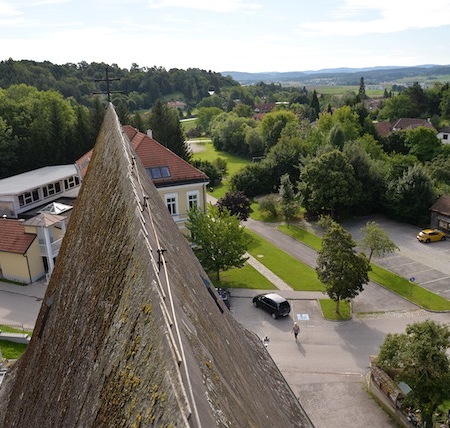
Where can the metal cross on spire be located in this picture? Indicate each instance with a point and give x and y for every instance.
(107, 79)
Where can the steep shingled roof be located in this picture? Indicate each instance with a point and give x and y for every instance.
(13, 238)
(131, 332)
(154, 155)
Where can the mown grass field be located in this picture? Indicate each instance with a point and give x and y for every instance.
(209, 153)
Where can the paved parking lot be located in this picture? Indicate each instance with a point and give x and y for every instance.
(326, 368)
(426, 264)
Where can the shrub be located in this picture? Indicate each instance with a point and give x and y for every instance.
(269, 204)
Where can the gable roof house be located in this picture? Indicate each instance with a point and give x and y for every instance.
(440, 214)
(384, 128)
(444, 135)
(28, 249)
(181, 185)
(19, 251)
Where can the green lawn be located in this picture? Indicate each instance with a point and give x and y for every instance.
(413, 292)
(245, 277)
(302, 235)
(187, 124)
(409, 290)
(234, 164)
(12, 350)
(295, 273)
(8, 329)
(328, 308)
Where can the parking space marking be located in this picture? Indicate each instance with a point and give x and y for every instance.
(434, 280)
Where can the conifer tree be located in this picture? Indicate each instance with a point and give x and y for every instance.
(166, 128)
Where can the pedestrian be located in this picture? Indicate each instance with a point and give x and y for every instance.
(296, 330)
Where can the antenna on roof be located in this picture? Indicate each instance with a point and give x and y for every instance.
(107, 79)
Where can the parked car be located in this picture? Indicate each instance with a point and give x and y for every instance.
(431, 235)
(273, 303)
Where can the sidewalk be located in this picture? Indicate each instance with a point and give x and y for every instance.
(36, 289)
(20, 304)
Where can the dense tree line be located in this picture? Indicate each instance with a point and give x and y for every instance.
(41, 128)
(338, 164)
(138, 87)
(326, 145)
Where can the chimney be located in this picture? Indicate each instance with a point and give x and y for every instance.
(150, 133)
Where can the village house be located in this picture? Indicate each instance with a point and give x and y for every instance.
(35, 206)
(444, 135)
(28, 248)
(440, 214)
(384, 128)
(181, 185)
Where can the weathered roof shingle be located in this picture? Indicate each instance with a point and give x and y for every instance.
(13, 238)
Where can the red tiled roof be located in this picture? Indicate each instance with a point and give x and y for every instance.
(264, 108)
(382, 128)
(152, 155)
(411, 123)
(13, 238)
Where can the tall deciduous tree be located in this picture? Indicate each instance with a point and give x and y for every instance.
(369, 175)
(220, 239)
(8, 147)
(339, 267)
(328, 184)
(166, 128)
(420, 357)
(410, 197)
(376, 241)
(273, 124)
(237, 204)
(205, 116)
(422, 142)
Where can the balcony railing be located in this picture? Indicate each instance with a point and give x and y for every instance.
(55, 246)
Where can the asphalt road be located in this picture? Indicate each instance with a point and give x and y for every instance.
(327, 368)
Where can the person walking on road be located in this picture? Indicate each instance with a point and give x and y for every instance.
(296, 330)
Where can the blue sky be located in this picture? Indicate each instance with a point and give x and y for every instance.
(228, 35)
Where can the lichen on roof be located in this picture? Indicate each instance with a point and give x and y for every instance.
(128, 334)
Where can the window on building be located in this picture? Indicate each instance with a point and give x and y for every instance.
(71, 182)
(29, 197)
(193, 199)
(158, 172)
(51, 189)
(445, 136)
(172, 203)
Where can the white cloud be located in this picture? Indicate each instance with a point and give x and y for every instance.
(356, 17)
(209, 5)
(8, 11)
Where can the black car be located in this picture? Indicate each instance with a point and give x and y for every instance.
(273, 303)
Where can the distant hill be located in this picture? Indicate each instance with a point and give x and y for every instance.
(347, 76)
